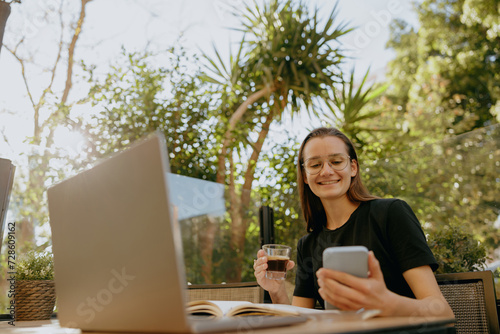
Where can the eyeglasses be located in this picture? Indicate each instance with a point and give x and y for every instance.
(336, 161)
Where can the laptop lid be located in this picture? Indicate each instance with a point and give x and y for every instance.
(117, 251)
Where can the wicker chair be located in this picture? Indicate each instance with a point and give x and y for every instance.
(472, 297)
(249, 291)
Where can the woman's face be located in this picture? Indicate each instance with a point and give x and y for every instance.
(329, 183)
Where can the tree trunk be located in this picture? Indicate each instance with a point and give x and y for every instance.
(239, 220)
(235, 118)
(236, 213)
(236, 210)
(206, 242)
(71, 51)
(4, 15)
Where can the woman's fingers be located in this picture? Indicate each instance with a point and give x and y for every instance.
(374, 267)
(341, 277)
(341, 289)
(340, 295)
(260, 265)
(338, 300)
(261, 259)
(259, 274)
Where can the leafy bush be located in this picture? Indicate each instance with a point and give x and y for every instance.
(456, 250)
(35, 266)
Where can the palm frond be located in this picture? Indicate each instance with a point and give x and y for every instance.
(347, 104)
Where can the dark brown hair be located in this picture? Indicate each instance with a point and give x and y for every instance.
(312, 208)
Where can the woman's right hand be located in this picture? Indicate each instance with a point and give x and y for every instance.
(260, 265)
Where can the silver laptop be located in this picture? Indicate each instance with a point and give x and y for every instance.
(118, 253)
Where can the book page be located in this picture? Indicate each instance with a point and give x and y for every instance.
(225, 306)
(318, 313)
(218, 308)
(221, 308)
(263, 309)
(292, 309)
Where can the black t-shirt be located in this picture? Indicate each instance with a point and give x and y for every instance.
(388, 227)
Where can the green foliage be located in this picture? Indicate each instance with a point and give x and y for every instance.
(291, 50)
(350, 110)
(448, 70)
(232, 84)
(35, 266)
(484, 13)
(137, 98)
(252, 245)
(442, 155)
(456, 249)
(278, 176)
(452, 179)
(286, 49)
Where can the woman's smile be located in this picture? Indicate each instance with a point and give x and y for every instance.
(329, 182)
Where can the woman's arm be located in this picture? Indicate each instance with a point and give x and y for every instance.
(303, 302)
(352, 293)
(429, 299)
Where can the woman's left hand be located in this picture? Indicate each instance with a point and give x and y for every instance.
(348, 292)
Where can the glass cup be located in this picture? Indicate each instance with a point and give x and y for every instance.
(277, 259)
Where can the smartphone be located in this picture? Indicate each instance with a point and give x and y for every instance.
(349, 259)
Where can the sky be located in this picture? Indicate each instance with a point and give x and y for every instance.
(155, 25)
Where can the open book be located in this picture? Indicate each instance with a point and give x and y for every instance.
(220, 309)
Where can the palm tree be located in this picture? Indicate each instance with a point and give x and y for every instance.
(286, 59)
(347, 106)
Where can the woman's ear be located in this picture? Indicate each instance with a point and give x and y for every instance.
(354, 168)
(303, 175)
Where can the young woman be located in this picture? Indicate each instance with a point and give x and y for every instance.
(339, 211)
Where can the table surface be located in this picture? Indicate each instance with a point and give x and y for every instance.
(318, 325)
